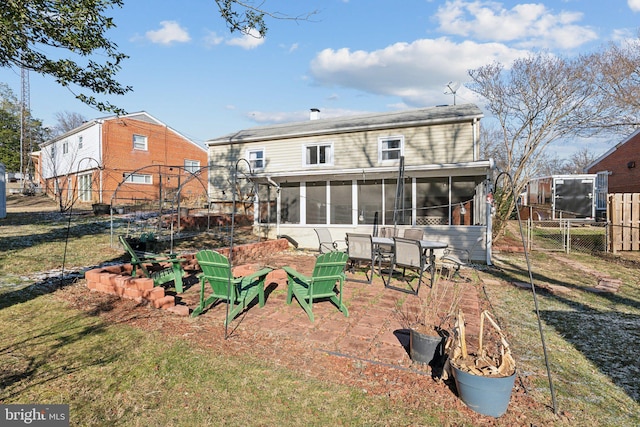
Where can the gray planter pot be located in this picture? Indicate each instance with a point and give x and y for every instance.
(485, 395)
(427, 349)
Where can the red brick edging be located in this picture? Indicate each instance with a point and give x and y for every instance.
(117, 279)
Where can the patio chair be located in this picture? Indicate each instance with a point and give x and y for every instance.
(325, 241)
(389, 232)
(360, 251)
(328, 270)
(161, 268)
(458, 257)
(408, 254)
(239, 292)
(414, 233)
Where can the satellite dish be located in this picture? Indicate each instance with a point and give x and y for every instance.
(453, 88)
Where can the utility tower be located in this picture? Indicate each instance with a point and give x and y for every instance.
(25, 128)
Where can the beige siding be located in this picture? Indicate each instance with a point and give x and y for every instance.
(433, 144)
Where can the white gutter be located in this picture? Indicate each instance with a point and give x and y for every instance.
(483, 164)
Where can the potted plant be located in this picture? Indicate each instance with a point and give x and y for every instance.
(484, 380)
(429, 325)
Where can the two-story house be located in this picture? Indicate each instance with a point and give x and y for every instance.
(414, 168)
(134, 155)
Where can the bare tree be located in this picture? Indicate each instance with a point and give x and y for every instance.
(66, 121)
(538, 100)
(615, 71)
(579, 160)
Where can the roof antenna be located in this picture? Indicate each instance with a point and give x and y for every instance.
(453, 88)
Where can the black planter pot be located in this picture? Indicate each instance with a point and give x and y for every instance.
(427, 349)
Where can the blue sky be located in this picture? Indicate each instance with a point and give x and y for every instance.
(352, 56)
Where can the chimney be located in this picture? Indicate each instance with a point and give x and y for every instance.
(314, 114)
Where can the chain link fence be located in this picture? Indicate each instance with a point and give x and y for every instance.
(567, 235)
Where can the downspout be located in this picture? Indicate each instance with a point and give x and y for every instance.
(100, 168)
(489, 214)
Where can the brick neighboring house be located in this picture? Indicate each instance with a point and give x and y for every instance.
(618, 170)
(136, 154)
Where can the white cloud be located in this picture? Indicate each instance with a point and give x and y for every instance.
(170, 32)
(634, 5)
(213, 39)
(525, 25)
(415, 72)
(247, 41)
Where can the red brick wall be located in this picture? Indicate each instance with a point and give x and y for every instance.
(623, 178)
(165, 147)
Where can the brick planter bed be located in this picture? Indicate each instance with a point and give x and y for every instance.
(117, 279)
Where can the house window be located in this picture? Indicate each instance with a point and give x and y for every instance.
(84, 187)
(138, 178)
(65, 147)
(256, 158)
(192, 166)
(80, 141)
(69, 189)
(390, 148)
(139, 142)
(318, 154)
(53, 151)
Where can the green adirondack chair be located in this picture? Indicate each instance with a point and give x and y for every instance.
(328, 270)
(238, 291)
(159, 273)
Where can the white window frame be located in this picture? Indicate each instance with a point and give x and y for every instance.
(70, 188)
(65, 147)
(382, 149)
(79, 141)
(192, 166)
(256, 163)
(84, 187)
(328, 158)
(138, 178)
(140, 142)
